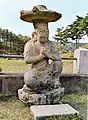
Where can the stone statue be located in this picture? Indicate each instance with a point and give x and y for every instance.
(41, 81)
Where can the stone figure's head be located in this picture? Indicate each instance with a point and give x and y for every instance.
(43, 35)
(40, 16)
(42, 31)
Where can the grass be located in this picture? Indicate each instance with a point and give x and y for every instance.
(79, 102)
(67, 66)
(12, 65)
(65, 117)
(13, 109)
(79, 99)
(20, 66)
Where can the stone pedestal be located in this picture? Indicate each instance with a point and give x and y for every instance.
(41, 112)
(48, 97)
(81, 65)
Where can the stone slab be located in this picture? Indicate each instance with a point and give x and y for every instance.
(52, 110)
(80, 66)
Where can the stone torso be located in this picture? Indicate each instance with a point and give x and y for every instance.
(33, 49)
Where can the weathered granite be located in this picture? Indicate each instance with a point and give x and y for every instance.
(11, 82)
(39, 12)
(42, 85)
(43, 111)
(73, 83)
(80, 66)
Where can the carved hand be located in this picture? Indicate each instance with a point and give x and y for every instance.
(42, 50)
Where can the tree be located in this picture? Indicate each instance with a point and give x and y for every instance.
(11, 43)
(76, 31)
(60, 36)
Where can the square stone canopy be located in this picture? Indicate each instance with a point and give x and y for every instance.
(52, 110)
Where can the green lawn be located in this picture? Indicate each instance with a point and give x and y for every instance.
(11, 108)
(79, 102)
(12, 65)
(20, 66)
(67, 66)
(14, 109)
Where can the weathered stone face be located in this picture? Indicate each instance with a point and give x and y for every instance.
(42, 84)
(43, 32)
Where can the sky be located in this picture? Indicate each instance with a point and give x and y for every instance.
(10, 14)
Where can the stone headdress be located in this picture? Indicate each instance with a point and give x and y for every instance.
(39, 13)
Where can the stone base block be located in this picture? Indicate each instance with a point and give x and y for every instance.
(41, 112)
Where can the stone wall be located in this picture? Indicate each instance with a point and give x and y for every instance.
(74, 83)
(11, 82)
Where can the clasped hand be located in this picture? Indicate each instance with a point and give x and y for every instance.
(43, 52)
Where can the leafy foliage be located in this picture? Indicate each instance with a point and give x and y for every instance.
(11, 43)
(76, 31)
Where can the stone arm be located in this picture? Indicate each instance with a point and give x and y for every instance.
(53, 57)
(29, 58)
(34, 59)
(53, 53)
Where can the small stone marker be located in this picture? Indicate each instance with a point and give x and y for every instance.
(80, 66)
(52, 110)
